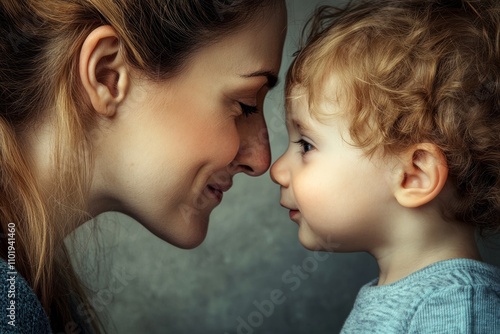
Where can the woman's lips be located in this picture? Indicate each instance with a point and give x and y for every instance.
(217, 190)
(216, 193)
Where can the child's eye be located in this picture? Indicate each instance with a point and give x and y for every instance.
(306, 147)
(248, 110)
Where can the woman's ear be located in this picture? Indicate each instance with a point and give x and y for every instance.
(422, 174)
(103, 71)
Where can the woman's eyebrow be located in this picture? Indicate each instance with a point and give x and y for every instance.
(272, 78)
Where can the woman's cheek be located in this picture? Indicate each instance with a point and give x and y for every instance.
(223, 146)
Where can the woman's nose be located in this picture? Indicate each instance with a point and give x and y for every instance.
(254, 154)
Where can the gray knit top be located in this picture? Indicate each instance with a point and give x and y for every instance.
(452, 296)
(20, 309)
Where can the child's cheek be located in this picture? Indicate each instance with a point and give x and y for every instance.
(312, 195)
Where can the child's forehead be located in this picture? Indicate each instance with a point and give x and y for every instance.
(297, 105)
(320, 100)
(298, 95)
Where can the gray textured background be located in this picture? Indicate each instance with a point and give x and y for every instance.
(145, 285)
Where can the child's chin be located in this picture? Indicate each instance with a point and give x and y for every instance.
(314, 248)
(312, 243)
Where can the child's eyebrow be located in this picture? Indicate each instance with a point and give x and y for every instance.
(298, 124)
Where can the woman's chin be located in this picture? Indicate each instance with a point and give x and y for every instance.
(190, 242)
(183, 235)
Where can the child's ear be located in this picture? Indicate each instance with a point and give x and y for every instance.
(103, 71)
(421, 175)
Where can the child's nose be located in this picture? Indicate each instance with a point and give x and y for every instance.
(279, 172)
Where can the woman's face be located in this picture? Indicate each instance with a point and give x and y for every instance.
(174, 146)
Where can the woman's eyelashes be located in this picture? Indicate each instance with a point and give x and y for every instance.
(304, 145)
(248, 110)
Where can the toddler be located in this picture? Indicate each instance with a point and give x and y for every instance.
(393, 116)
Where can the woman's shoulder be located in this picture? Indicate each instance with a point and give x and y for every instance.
(22, 312)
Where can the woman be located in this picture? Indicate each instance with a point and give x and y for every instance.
(143, 107)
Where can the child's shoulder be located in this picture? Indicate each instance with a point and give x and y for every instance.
(459, 272)
(464, 294)
(447, 296)
(441, 276)
(455, 283)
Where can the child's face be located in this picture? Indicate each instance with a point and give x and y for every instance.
(338, 196)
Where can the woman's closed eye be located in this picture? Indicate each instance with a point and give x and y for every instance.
(248, 110)
(305, 146)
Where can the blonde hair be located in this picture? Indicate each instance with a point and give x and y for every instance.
(416, 71)
(39, 47)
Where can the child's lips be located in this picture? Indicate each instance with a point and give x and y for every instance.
(292, 211)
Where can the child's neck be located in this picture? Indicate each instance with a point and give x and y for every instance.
(422, 243)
